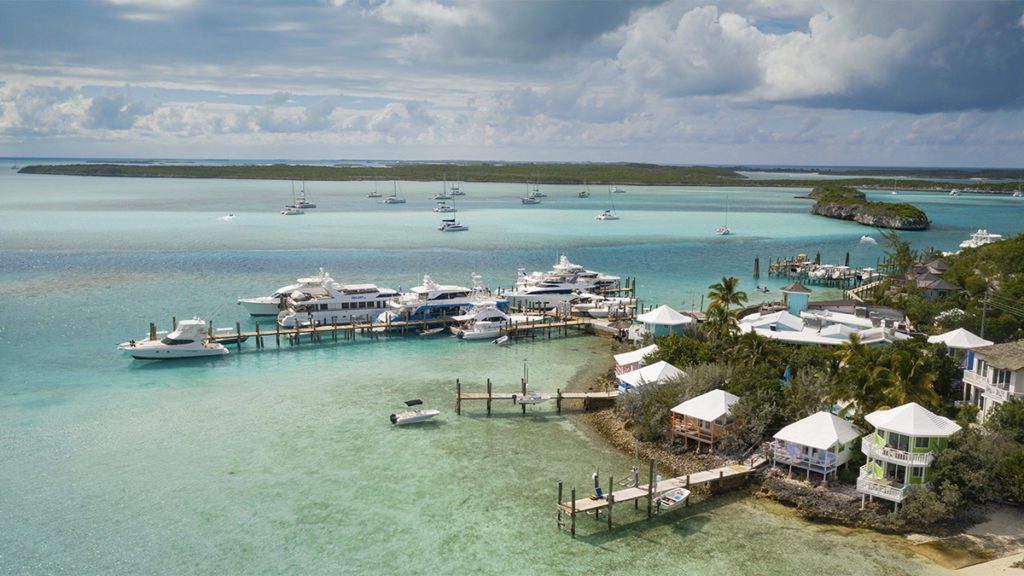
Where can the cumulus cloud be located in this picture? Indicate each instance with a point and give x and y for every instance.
(114, 111)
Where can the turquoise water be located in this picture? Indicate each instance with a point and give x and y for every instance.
(283, 461)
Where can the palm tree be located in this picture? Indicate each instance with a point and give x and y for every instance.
(725, 293)
(720, 321)
(910, 380)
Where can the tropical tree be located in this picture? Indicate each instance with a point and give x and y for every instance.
(726, 293)
(720, 321)
(910, 380)
(898, 251)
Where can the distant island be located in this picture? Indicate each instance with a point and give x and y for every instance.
(842, 202)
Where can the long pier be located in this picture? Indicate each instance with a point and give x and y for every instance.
(812, 272)
(651, 491)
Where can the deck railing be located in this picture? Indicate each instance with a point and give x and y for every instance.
(868, 484)
(868, 446)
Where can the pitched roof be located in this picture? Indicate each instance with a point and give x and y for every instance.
(708, 406)
(1009, 356)
(797, 287)
(664, 316)
(635, 356)
(820, 430)
(913, 420)
(960, 338)
(657, 372)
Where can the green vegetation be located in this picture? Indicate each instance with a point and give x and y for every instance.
(836, 200)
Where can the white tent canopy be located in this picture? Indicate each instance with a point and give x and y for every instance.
(664, 316)
(913, 420)
(708, 406)
(821, 430)
(635, 356)
(960, 338)
(657, 372)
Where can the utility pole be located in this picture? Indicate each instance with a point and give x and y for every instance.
(984, 312)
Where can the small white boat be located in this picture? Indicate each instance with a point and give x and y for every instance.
(394, 199)
(188, 340)
(723, 231)
(672, 499)
(450, 225)
(501, 341)
(865, 239)
(292, 211)
(606, 215)
(483, 321)
(531, 199)
(413, 416)
(954, 192)
(444, 207)
(618, 190)
(432, 331)
(375, 193)
(529, 399)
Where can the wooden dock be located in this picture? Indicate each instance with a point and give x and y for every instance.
(589, 398)
(650, 491)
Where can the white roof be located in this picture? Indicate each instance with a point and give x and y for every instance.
(913, 420)
(820, 430)
(782, 318)
(960, 338)
(657, 372)
(664, 316)
(635, 356)
(708, 406)
(841, 331)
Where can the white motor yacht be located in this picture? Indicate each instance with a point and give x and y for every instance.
(482, 322)
(450, 225)
(413, 416)
(981, 238)
(865, 239)
(618, 190)
(431, 301)
(563, 282)
(271, 305)
(336, 304)
(188, 340)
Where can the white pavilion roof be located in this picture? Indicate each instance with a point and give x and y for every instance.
(664, 316)
(820, 430)
(913, 420)
(960, 338)
(635, 356)
(657, 372)
(708, 406)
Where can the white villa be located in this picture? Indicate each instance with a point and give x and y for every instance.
(996, 376)
(629, 361)
(901, 451)
(655, 373)
(704, 418)
(819, 443)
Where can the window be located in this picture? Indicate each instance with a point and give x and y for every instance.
(705, 424)
(842, 448)
(922, 442)
(917, 472)
(899, 441)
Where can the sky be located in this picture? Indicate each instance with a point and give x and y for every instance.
(844, 82)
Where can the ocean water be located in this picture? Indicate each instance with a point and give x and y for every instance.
(283, 461)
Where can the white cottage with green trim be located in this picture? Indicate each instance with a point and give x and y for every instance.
(901, 451)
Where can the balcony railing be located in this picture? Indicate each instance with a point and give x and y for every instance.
(996, 393)
(823, 460)
(975, 379)
(884, 489)
(702, 434)
(868, 446)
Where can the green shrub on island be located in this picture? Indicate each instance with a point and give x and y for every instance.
(835, 200)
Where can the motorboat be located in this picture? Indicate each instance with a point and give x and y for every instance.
(394, 198)
(413, 416)
(334, 304)
(529, 398)
(618, 190)
(954, 192)
(865, 239)
(482, 322)
(672, 499)
(981, 238)
(450, 225)
(271, 305)
(606, 215)
(292, 211)
(444, 207)
(189, 339)
(501, 341)
(563, 282)
(436, 302)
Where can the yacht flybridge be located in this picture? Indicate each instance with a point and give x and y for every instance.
(337, 303)
(189, 339)
(271, 305)
(981, 238)
(563, 282)
(432, 301)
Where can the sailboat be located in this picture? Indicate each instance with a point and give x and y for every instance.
(536, 193)
(302, 201)
(394, 199)
(293, 208)
(585, 193)
(724, 229)
(610, 213)
(456, 189)
(375, 193)
(893, 187)
(444, 191)
(1018, 194)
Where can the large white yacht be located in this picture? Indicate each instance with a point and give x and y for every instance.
(271, 305)
(980, 238)
(432, 301)
(564, 281)
(188, 340)
(482, 322)
(339, 303)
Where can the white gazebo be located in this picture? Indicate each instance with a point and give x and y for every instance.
(629, 361)
(663, 321)
(961, 339)
(657, 372)
(819, 443)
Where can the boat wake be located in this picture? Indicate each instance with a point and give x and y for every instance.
(227, 218)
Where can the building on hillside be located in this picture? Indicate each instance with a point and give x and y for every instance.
(901, 450)
(629, 361)
(653, 374)
(819, 443)
(996, 376)
(704, 418)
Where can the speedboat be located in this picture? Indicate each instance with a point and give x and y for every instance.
(723, 231)
(444, 207)
(981, 238)
(865, 239)
(334, 304)
(606, 215)
(450, 225)
(482, 322)
(529, 398)
(189, 339)
(436, 302)
(672, 499)
(413, 416)
(291, 210)
(271, 305)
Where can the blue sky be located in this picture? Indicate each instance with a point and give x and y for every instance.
(771, 82)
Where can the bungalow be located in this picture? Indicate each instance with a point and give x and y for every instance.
(901, 451)
(997, 376)
(629, 361)
(704, 418)
(663, 321)
(820, 443)
(655, 373)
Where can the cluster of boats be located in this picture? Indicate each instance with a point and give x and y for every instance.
(469, 313)
(299, 203)
(981, 238)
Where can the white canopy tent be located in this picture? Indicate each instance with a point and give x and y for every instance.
(961, 339)
(664, 316)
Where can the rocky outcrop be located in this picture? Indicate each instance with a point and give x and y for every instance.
(856, 213)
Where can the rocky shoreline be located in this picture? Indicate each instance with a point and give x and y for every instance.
(858, 214)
